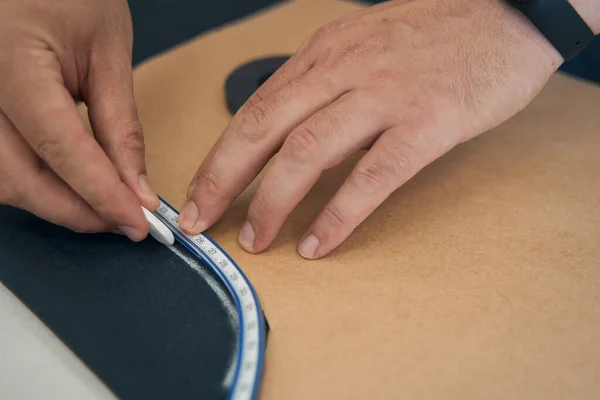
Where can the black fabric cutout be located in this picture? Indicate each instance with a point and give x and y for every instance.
(145, 322)
(247, 78)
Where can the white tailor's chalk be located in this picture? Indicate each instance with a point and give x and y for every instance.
(158, 230)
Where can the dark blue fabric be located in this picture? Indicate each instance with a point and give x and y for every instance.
(162, 24)
(143, 321)
(159, 25)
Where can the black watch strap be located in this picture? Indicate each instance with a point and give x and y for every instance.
(559, 22)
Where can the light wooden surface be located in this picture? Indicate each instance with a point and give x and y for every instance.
(480, 278)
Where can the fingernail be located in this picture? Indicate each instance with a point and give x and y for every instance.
(246, 237)
(188, 216)
(308, 247)
(146, 188)
(131, 233)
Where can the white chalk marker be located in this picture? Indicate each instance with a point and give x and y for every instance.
(158, 230)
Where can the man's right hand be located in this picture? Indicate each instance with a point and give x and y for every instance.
(52, 52)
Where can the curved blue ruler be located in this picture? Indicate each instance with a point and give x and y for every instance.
(252, 324)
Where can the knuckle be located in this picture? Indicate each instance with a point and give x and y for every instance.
(322, 34)
(305, 45)
(132, 137)
(261, 208)
(283, 80)
(264, 215)
(335, 217)
(256, 118)
(352, 51)
(208, 183)
(381, 174)
(302, 145)
(370, 176)
(53, 152)
(330, 86)
(256, 98)
(347, 52)
(333, 27)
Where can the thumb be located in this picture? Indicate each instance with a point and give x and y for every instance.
(114, 119)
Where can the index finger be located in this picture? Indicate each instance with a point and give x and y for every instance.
(251, 139)
(43, 111)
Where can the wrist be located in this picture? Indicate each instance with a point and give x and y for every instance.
(528, 37)
(567, 28)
